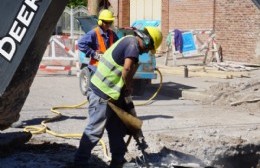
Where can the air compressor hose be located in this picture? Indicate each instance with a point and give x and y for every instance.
(43, 128)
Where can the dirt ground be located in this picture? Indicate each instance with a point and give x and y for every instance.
(219, 129)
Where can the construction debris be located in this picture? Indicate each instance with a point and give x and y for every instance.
(245, 101)
(233, 66)
(234, 94)
(212, 70)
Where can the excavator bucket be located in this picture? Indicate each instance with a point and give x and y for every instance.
(26, 26)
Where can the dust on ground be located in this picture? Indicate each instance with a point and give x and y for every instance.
(244, 95)
(187, 133)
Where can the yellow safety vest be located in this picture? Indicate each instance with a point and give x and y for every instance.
(108, 77)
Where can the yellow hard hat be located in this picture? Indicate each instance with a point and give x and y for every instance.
(106, 15)
(156, 35)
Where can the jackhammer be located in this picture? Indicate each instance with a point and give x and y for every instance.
(138, 135)
(134, 125)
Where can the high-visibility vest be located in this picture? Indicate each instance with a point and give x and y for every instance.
(101, 44)
(108, 76)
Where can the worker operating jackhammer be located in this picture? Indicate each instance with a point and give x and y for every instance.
(137, 133)
(110, 84)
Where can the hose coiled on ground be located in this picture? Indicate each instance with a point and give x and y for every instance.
(43, 128)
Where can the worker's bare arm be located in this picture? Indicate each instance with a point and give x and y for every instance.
(129, 70)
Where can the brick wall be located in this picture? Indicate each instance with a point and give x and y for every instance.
(186, 15)
(191, 14)
(165, 21)
(114, 8)
(124, 13)
(237, 25)
(121, 9)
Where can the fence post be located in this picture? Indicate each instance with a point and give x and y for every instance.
(71, 23)
(53, 52)
(58, 49)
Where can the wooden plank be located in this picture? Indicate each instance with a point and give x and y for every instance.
(244, 63)
(180, 71)
(245, 101)
(203, 72)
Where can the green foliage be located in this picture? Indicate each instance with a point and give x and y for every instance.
(73, 3)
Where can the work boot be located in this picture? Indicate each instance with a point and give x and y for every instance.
(122, 164)
(116, 163)
(80, 165)
(76, 165)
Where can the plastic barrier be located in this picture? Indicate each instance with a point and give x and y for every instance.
(193, 46)
(61, 49)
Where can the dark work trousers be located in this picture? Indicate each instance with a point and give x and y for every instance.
(101, 116)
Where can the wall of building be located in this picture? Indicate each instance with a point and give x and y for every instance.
(237, 24)
(165, 22)
(115, 8)
(121, 9)
(145, 10)
(186, 15)
(190, 14)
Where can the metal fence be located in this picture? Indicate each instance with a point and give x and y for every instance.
(63, 43)
(68, 23)
(66, 34)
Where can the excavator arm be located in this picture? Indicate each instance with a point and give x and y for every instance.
(26, 26)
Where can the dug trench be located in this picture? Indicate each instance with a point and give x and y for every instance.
(36, 153)
(228, 153)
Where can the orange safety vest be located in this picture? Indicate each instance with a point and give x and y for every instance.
(101, 44)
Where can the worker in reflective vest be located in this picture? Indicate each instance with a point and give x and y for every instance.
(95, 42)
(112, 82)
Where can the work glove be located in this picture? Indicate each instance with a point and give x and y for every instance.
(128, 92)
(128, 99)
(98, 55)
(130, 105)
(139, 137)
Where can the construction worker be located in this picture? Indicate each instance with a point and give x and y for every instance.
(95, 42)
(112, 81)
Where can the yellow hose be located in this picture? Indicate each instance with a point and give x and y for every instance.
(149, 100)
(44, 128)
(156, 93)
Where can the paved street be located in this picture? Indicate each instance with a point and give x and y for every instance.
(199, 130)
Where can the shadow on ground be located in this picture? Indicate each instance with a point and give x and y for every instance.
(53, 155)
(241, 156)
(168, 91)
(155, 116)
(37, 121)
(39, 153)
(43, 154)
